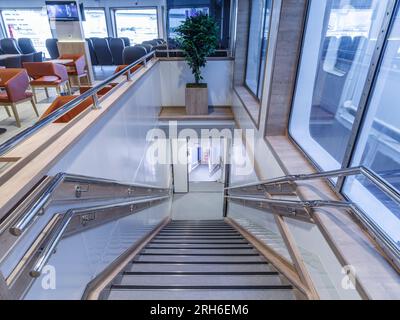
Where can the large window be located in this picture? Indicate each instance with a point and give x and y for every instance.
(179, 10)
(178, 15)
(137, 24)
(338, 47)
(378, 147)
(257, 45)
(95, 24)
(28, 23)
(333, 84)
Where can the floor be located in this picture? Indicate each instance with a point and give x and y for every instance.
(203, 202)
(179, 113)
(201, 173)
(26, 113)
(103, 72)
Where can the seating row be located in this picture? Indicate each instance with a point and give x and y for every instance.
(13, 53)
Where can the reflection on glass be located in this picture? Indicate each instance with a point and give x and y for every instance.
(137, 24)
(338, 47)
(258, 44)
(28, 23)
(378, 147)
(95, 24)
(178, 15)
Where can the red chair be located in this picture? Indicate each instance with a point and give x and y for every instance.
(15, 83)
(47, 75)
(61, 101)
(77, 68)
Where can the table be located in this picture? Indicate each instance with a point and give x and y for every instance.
(61, 61)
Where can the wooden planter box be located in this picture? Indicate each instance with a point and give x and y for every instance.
(196, 99)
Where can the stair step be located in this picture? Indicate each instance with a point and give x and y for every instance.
(199, 251)
(202, 259)
(199, 246)
(236, 295)
(191, 281)
(173, 267)
(198, 241)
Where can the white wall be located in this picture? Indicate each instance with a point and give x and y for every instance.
(175, 74)
(115, 147)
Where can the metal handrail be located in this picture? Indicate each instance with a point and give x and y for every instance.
(36, 209)
(375, 179)
(25, 134)
(61, 227)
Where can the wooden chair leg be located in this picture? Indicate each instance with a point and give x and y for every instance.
(47, 92)
(16, 115)
(58, 89)
(8, 111)
(69, 87)
(34, 107)
(78, 79)
(34, 94)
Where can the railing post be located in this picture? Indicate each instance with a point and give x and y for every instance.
(227, 175)
(96, 104)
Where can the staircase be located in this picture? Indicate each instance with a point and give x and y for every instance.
(199, 260)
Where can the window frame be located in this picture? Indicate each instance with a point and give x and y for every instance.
(338, 186)
(114, 20)
(105, 17)
(260, 84)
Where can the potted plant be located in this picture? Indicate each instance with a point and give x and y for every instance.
(198, 38)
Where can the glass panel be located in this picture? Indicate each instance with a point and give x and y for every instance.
(137, 24)
(81, 257)
(28, 23)
(378, 147)
(179, 10)
(95, 24)
(179, 15)
(338, 47)
(258, 44)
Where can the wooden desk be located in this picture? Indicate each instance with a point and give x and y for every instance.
(61, 61)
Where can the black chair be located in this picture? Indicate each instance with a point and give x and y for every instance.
(10, 46)
(92, 53)
(132, 54)
(147, 46)
(27, 47)
(11, 62)
(103, 52)
(52, 48)
(160, 41)
(126, 41)
(153, 43)
(117, 47)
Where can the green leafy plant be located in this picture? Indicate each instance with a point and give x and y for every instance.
(198, 38)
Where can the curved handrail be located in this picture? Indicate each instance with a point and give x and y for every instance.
(60, 228)
(22, 223)
(25, 134)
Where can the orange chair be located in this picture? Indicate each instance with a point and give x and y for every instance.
(77, 68)
(15, 83)
(61, 101)
(122, 67)
(47, 75)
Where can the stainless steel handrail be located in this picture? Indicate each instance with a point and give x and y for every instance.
(58, 231)
(22, 136)
(23, 222)
(294, 203)
(379, 182)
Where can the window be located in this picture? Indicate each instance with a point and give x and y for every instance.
(257, 45)
(338, 47)
(95, 24)
(179, 10)
(378, 146)
(28, 23)
(137, 24)
(178, 15)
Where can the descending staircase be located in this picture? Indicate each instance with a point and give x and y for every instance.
(199, 260)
